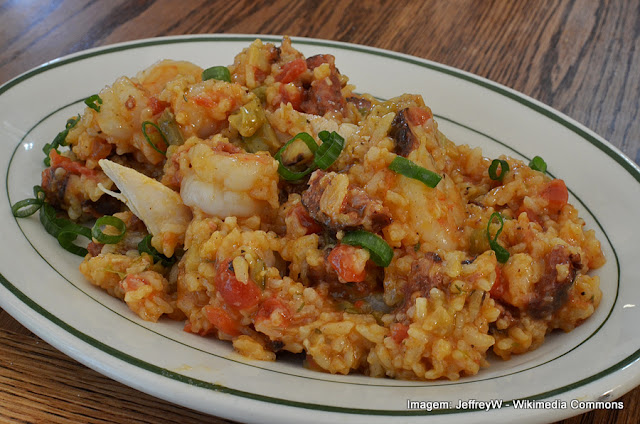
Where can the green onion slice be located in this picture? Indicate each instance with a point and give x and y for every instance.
(26, 207)
(100, 237)
(64, 230)
(538, 164)
(493, 169)
(144, 132)
(217, 72)
(60, 139)
(404, 166)
(329, 150)
(288, 174)
(145, 247)
(49, 221)
(381, 253)
(502, 254)
(68, 235)
(38, 193)
(93, 102)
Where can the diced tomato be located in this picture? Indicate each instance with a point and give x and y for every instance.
(59, 161)
(533, 217)
(157, 106)
(271, 305)
(418, 115)
(259, 75)
(236, 293)
(343, 260)
(101, 149)
(556, 194)
(203, 101)
(220, 319)
(133, 282)
(499, 286)
(399, 332)
(306, 221)
(291, 70)
(291, 94)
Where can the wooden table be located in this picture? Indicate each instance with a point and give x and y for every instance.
(580, 57)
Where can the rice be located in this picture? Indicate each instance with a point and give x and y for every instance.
(264, 263)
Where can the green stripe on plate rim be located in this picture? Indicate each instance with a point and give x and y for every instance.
(626, 164)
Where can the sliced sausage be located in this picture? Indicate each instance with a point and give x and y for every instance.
(324, 95)
(404, 140)
(338, 205)
(551, 294)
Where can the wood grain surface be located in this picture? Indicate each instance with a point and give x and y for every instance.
(580, 57)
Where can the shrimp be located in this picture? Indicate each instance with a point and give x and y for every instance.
(155, 78)
(129, 102)
(160, 208)
(222, 180)
(124, 107)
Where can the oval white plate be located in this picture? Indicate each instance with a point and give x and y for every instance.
(42, 287)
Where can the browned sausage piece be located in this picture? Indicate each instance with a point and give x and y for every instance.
(338, 205)
(426, 273)
(404, 139)
(324, 95)
(551, 294)
(360, 102)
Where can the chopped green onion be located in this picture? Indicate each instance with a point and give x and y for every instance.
(381, 253)
(68, 235)
(71, 122)
(38, 193)
(49, 221)
(64, 230)
(47, 149)
(26, 207)
(286, 173)
(93, 102)
(217, 72)
(60, 139)
(502, 254)
(493, 169)
(404, 166)
(538, 164)
(144, 132)
(145, 247)
(100, 237)
(329, 150)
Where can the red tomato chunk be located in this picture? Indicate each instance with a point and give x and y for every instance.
(235, 293)
(343, 259)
